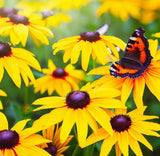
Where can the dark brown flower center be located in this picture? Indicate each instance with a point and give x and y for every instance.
(59, 72)
(6, 12)
(47, 13)
(8, 139)
(120, 122)
(90, 36)
(51, 149)
(19, 19)
(77, 99)
(5, 49)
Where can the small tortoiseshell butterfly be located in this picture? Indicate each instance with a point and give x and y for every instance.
(136, 58)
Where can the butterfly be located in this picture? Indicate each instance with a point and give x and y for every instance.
(136, 59)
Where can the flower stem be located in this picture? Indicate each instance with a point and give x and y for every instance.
(76, 151)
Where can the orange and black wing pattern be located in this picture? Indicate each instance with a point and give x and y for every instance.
(136, 58)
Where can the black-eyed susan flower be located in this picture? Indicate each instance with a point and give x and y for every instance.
(122, 9)
(128, 130)
(19, 141)
(18, 27)
(89, 43)
(55, 148)
(149, 76)
(58, 79)
(16, 62)
(2, 93)
(82, 107)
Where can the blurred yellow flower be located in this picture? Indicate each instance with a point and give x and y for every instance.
(59, 79)
(127, 131)
(16, 62)
(120, 8)
(2, 93)
(18, 27)
(55, 148)
(81, 107)
(89, 43)
(18, 140)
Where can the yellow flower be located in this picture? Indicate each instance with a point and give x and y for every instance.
(121, 9)
(2, 93)
(59, 79)
(20, 141)
(82, 107)
(55, 148)
(54, 19)
(128, 129)
(150, 76)
(89, 43)
(18, 27)
(16, 62)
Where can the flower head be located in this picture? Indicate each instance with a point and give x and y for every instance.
(16, 62)
(58, 79)
(81, 107)
(6, 12)
(89, 43)
(55, 147)
(18, 139)
(2, 93)
(128, 131)
(150, 76)
(18, 27)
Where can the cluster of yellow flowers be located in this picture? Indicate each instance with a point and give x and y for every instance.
(98, 108)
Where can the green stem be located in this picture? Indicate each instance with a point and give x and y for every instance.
(93, 66)
(26, 96)
(76, 151)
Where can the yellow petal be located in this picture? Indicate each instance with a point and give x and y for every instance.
(86, 52)
(138, 93)
(102, 70)
(4, 122)
(126, 89)
(68, 122)
(81, 124)
(14, 38)
(12, 69)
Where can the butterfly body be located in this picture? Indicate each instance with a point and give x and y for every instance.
(136, 58)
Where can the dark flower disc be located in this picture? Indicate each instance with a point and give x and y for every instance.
(6, 12)
(59, 72)
(47, 13)
(120, 122)
(90, 36)
(19, 19)
(51, 149)
(77, 99)
(8, 139)
(5, 49)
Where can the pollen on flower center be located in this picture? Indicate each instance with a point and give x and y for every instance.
(19, 19)
(51, 149)
(77, 99)
(120, 122)
(8, 139)
(89, 36)
(6, 12)
(59, 72)
(5, 49)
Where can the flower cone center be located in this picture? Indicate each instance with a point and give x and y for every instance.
(77, 99)
(6, 12)
(5, 49)
(89, 36)
(8, 139)
(19, 19)
(120, 122)
(51, 149)
(59, 72)
(47, 13)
